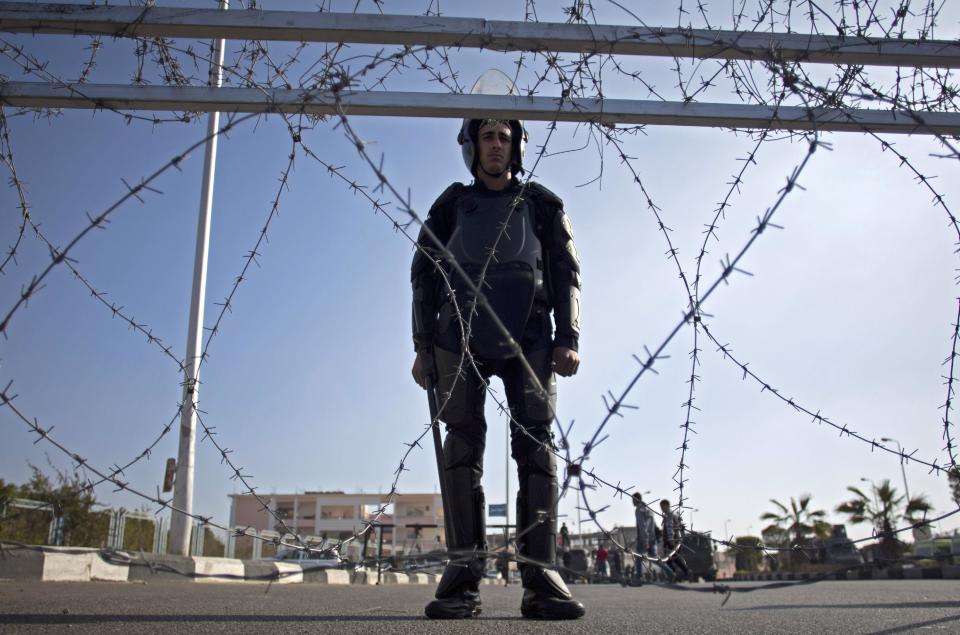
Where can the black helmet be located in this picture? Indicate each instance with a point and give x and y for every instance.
(468, 144)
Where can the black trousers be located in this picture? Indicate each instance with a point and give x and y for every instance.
(461, 396)
(462, 392)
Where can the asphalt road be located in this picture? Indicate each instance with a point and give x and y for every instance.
(889, 606)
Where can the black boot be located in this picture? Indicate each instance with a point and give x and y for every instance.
(545, 595)
(458, 594)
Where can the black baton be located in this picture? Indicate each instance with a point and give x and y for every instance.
(438, 446)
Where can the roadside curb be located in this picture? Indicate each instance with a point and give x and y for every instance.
(60, 564)
(71, 564)
(947, 572)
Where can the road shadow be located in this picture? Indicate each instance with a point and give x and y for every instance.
(940, 604)
(107, 618)
(916, 625)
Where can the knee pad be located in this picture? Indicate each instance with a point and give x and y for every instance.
(529, 440)
(538, 458)
(460, 450)
(537, 405)
(460, 395)
(451, 387)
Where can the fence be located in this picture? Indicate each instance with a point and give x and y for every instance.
(38, 522)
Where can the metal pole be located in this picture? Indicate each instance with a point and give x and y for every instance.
(380, 553)
(506, 497)
(455, 106)
(363, 555)
(906, 489)
(579, 522)
(183, 485)
(498, 35)
(438, 450)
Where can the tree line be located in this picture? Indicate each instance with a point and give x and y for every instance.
(798, 525)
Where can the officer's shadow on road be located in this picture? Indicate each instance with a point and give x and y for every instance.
(916, 625)
(903, 628)
(933, 604)
(49, 619)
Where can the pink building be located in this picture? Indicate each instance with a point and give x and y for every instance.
(417, 519)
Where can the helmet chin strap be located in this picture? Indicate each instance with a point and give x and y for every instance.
(495, 175)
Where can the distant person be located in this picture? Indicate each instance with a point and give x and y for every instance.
(646, 544)
(672, 532)
(564, 537)
(601, 555)
(504, 566)
(565, 551)
(616, 564)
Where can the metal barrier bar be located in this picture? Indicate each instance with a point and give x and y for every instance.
(300, 26)
(409, 104)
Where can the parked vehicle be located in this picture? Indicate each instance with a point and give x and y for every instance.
(698, 552)
(309, 559)
(838, 549)
(578, 567)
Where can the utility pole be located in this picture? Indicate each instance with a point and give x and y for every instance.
(506, 489)
(180, 523)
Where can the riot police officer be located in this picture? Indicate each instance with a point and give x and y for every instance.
(533, 274)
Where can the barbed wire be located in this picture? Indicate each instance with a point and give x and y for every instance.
(32, 66)
(209, 432)
(225, 307)
(6, 156)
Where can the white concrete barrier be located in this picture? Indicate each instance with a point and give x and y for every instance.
(392, 577)
(217, 569)
(288, 573)
(335, 576)
(100, 569)
(66, 567)
(363, 576)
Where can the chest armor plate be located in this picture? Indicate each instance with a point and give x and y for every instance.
(488, 223)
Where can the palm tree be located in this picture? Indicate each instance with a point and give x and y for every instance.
(798, 521)
(884, 509)
(954, 478)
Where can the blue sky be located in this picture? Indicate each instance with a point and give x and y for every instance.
(849, 310)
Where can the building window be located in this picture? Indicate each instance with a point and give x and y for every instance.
(337, 512)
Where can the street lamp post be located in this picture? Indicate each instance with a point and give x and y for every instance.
(906, 489)
(181, 516)
(876, 501)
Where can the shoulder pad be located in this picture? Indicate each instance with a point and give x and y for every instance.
(450, 194)
(543, 195)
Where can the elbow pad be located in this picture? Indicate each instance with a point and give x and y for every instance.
(424, 316)
(566, 283)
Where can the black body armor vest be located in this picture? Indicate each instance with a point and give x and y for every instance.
(514, 275)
